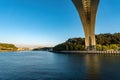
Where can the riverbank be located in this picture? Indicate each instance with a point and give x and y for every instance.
(8, 50)
(13, 50)
(90, 52)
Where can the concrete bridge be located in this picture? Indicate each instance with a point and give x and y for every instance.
(87, 10)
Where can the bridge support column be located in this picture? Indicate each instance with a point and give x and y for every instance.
(87, 10)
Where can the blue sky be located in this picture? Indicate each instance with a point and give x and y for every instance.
(33, 23)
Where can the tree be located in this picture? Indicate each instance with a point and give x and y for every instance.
(104, 48)
(114, 47)
(99, 47)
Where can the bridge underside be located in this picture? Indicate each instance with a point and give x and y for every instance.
(87, 10)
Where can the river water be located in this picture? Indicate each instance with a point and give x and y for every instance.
(42, 65)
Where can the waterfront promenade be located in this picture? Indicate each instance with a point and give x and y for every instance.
(92, 52)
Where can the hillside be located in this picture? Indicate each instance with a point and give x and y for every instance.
(104, 42)
(7, 47)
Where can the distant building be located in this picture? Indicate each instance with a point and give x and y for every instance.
(24, 49)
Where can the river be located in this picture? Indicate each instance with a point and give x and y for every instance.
(43, 65)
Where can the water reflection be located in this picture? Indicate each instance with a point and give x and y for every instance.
(92, 67)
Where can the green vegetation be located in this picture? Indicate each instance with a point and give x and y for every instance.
(43, 49)
(104, 42)
(100, 47)
(7, 47)
(71, 44)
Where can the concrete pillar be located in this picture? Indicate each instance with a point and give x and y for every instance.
(87, 10)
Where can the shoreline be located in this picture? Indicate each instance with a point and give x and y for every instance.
(12, 51)
(7, 51)
(89, 52)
